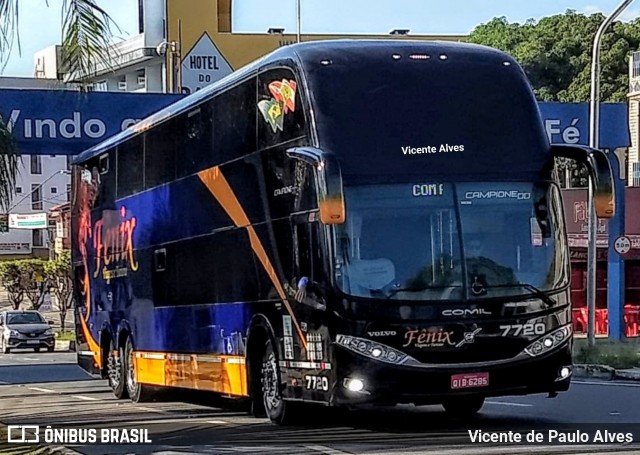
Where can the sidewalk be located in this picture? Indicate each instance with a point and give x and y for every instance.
(606, 373)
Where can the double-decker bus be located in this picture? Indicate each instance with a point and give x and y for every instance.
(339, 222)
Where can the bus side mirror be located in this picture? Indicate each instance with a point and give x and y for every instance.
(330, 192)
(600, 172)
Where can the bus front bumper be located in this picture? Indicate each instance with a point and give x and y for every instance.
(386, 384)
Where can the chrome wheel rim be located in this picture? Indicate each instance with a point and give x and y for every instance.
(114, 367)
(131, 373)
(270, 382)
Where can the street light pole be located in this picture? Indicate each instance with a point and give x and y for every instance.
(594, 142)
(298, 17)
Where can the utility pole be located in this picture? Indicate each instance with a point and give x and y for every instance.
(594, 142)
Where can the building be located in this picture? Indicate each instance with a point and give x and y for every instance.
(183, 46)
(59, 229)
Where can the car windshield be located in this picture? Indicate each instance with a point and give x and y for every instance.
(24, 318)
(445, 241)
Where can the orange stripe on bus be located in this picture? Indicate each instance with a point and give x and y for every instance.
(219, 187)
(225, 375)
(93, 345)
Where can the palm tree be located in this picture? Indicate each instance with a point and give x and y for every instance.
(87, 34)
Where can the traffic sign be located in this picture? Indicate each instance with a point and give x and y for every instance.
(622, 244)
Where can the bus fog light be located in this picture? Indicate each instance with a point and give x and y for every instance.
(376, 352)
(565, 372)
(354, 385)
(548, 342)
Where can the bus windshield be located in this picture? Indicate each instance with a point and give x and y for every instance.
(451, 241)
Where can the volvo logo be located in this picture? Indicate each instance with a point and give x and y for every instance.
(466, 312)
(382, 333)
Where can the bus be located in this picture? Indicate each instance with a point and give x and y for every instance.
(344, 222)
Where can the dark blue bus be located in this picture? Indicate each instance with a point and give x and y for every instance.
(339, 222)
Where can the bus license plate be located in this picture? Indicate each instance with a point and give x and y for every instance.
(469, 380)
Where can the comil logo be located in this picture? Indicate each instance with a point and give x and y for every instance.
(23, 434)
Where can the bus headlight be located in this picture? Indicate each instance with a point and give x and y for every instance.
(550, 341)
(354, 384)
(373, 350)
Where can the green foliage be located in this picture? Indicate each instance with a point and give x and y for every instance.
(10, 279)
(616, 355)
(555, 53)
(60, 280)
(22, 278)
(65, 336)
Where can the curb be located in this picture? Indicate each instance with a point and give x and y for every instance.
(605, 372)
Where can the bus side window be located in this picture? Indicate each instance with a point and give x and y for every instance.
(308, 250)
(291, 124)
(130, 169)
(235, 116)
(159, 155)
(194, 152)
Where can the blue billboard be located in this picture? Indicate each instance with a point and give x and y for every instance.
(65, 122)
(61, 122)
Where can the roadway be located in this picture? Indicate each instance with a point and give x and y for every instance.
(49, 389)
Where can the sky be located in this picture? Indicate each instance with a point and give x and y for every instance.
(40, 20)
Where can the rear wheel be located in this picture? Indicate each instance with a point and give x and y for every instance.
(137, 392)
(277, 409)
(36, 349)
(463, 406)
(115, 371)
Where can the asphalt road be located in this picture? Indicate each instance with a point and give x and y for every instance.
(49, 389)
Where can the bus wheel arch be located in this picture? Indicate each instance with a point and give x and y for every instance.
(260, 331)
(113, 364)
(266, 379)
(138, 392)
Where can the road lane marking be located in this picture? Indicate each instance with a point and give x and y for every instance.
(218, 422)
(326, 450)
(38, 389)
(611, 383)
(29, 358)
(506, 403)
(82, 397)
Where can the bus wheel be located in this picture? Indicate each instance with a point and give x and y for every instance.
(137, 392)
(277, 409)
(463, 406)
(115, 372)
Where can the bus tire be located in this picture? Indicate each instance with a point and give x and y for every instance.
(280, 411)
(116, 372)
(139, 393)
(463, 406)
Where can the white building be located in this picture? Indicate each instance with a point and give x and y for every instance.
(137, 64)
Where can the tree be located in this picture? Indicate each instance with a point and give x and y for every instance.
(87, 34)
(555, 53)
(32, 280)
(58, 273)
(10, 278)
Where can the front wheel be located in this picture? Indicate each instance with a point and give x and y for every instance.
(138, 393)
(463, 406)
(276, 408)
(116, 371)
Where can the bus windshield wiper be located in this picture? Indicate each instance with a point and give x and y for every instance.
(531, 288)
(416, 289)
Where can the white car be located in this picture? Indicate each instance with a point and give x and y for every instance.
(25, 330)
